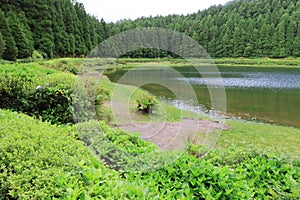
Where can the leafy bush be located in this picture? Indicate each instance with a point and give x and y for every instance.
(232, 174)
(44, 93)
(146, 103)
(33, 154)
(66, 65)
(117, 148)
(42, 161)
(190, 177)
(53, 104)
(88, 99)
(37, 56)
(37, 91)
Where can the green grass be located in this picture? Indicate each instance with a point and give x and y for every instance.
(219, 61)
(126, 95)
(272, 138)
(258, 61)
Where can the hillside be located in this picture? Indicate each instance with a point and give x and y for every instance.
(62, 28)
(52, 27)
(242, 28)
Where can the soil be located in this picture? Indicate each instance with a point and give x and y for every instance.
(176, 135)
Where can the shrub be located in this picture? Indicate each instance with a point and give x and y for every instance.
(88, 99)
(33, 154)
(37, 56)
(67, 65)
(146, 103)
(42, 161)
(46, 93)
(53, 104)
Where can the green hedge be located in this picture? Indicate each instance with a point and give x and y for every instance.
(33, 155)
(46, 94)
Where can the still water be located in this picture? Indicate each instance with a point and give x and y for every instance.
(267, 94)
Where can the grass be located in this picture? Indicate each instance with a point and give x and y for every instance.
(218, 61)
(258, 61)
(272, 138)
(123, 99)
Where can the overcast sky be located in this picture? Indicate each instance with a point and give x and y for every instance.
(114, 10)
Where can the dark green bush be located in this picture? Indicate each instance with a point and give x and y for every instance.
(45, 93)
(146, 103)
(53, 104)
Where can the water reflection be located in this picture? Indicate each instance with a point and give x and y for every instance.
(250, 80)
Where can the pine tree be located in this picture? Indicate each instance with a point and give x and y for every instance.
(18, 33)
(11, 51)
(2, 45)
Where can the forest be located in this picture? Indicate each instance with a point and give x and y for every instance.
(63, 28)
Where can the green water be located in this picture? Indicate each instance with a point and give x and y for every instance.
(268, 94)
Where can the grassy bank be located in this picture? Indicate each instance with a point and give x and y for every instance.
(220, 61)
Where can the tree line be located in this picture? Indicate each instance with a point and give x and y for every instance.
(241, 28)
(55, 28)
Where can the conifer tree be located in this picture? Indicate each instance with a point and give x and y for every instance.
(10, 51)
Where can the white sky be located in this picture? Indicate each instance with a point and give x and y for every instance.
(114, 10)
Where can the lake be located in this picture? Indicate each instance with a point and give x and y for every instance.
(256, 93)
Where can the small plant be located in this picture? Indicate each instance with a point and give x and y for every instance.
(146, 103)
(37, 56)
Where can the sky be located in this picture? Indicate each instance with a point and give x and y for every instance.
(114, 10)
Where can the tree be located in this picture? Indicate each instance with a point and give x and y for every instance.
(18, 33)
(2, 45)
(10, 52)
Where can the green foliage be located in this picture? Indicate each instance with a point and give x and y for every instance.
(2, 45)
(88, 99)
(147, 103)
(36, 56)
(51, 103)
(10, 51)
(38, 92)
(23, 41)
(68, 65)
(40, 161)
(54, 28)
(33, 155)
(48, 94)
(240, 28)
(118, 149)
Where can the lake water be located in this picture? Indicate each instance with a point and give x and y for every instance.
(267, 94)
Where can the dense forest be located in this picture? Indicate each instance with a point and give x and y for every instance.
(55, 28)
(241, 28)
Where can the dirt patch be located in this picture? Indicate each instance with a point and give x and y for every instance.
(176, 135)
